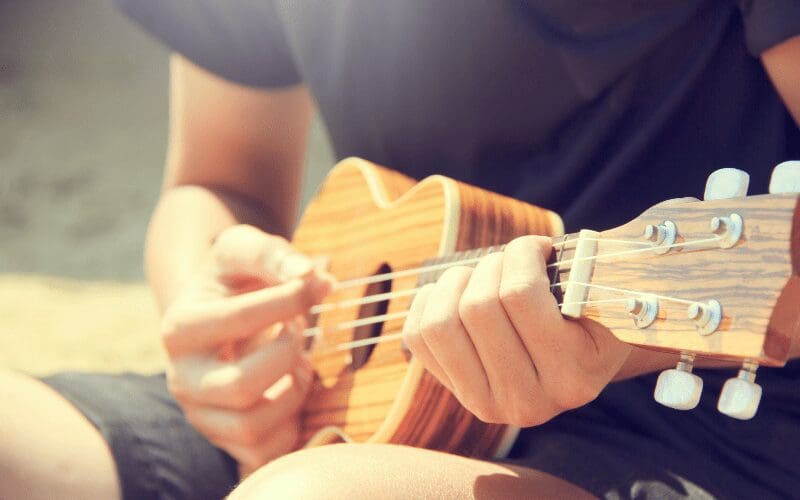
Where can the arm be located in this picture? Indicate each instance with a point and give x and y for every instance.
(494, 335)
(782, 63)
(232, 294)
(234, 156)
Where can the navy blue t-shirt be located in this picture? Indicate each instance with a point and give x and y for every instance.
(595, 109)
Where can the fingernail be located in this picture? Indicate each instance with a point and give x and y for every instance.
(296, 265)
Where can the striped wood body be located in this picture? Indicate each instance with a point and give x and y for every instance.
(365, 218)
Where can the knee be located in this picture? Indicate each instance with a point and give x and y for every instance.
(331, 472)
(37, 457)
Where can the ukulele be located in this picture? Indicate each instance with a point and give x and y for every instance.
(714, 278)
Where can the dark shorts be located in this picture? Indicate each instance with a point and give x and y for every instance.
(623, 445)
(157, 453)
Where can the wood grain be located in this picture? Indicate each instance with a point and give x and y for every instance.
(364, 218)
(748, 280)
(367, 219)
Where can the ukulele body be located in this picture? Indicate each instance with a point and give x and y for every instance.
(368, 220)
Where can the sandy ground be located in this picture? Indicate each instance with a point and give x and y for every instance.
(83, 109)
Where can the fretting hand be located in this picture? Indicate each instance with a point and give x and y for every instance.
(495, 337)
(234, 341)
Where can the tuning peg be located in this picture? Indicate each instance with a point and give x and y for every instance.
(740, 396)
(726, 183)
(785, 178)
(679, 388)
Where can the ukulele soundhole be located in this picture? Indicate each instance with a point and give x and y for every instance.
(360, 355)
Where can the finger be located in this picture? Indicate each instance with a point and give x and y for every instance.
(528, 301)
(591, 352)
(250, 427)
(510, 371)
(278, 442)
(202, 326)
(247, 250)
(238, 384)
(451, 346)
(412, 337)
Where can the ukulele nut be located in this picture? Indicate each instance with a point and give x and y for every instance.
(643, 310)
(662, 235)
(729, 229)
(705, 316)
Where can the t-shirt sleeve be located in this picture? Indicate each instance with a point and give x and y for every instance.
(769, 22)
(239, 40)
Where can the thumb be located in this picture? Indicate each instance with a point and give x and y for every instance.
(245, 250)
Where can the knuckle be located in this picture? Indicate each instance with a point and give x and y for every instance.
(178, 320)
(232, 393)
(168, 328)
(233, 233)
(246, 432)
(306, 297)
(579, 394)
(522, 414)
(237, 396)
(171, 322)
(473, 309)
(482, 409)
(228, 239)
(411, 338)
(237, 400)
(282, 440)
(455, 274)
(291, 433)
(528, 243)
(522, 295)
(436, 327)
(516, 296)
(485, 414)
(177, 388)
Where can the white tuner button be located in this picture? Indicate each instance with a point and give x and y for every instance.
(740, 396)
(678, 389)
(726, 183)
(785, 178)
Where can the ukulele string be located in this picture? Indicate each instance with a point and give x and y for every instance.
(369, 299)
(402, 314)
(381, 297)
(398, 334)
(380, 278)
(630, 252)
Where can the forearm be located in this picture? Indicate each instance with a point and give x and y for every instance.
(184, 225)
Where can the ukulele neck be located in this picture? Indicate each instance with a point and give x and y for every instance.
(566, 248)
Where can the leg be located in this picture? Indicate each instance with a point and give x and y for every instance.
(47, 447)
(347, 471)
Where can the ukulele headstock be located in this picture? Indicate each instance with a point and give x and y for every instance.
(714, 278)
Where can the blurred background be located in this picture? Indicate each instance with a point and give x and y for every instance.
(83, 124)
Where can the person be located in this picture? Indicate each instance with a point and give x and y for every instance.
(594, 110)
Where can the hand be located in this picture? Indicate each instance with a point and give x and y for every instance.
(234, 342)
(495, 337)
